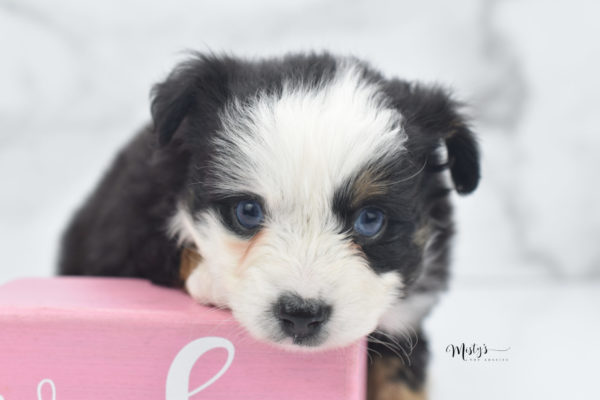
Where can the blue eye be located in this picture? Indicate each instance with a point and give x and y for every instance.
(369, 221)
(249, 213)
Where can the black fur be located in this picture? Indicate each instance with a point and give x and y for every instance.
(122, 228)
(433, 116)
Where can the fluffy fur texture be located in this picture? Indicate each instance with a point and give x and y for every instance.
(313, 139)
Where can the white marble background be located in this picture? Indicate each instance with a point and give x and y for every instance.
(74, 83)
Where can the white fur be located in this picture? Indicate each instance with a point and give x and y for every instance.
(294, 150)
(212, 281)
(406, 314)
(298, 146)
(182, 226)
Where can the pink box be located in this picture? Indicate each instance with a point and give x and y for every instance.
(125, 339)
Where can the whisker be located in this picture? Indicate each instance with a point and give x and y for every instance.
(411, 176)
(398, 346)
(393, 348)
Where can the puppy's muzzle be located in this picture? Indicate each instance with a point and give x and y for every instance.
(299, 318)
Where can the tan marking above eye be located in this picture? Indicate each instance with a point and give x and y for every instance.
(368, 184)
(421, 235)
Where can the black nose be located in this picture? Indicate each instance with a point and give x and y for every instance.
(301, 318)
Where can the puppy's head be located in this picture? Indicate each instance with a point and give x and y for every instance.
(308, 189)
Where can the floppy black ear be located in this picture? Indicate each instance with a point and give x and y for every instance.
(199, 83)
(463, 159)
(433, 116)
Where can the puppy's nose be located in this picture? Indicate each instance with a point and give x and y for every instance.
(301, 318)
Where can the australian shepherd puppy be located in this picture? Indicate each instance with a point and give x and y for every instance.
(309, 194)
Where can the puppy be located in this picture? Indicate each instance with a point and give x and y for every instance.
(309, 194)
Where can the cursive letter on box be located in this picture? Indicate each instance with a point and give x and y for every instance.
(178, 377)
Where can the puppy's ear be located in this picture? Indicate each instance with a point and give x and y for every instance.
(433, 116)
(199, 84)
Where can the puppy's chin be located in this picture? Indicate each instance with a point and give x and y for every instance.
(324, 343)
(321, 342)
(310, 346)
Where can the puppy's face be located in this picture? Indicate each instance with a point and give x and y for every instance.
(305, 200)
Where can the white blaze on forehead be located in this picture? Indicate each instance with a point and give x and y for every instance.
(299, 145)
